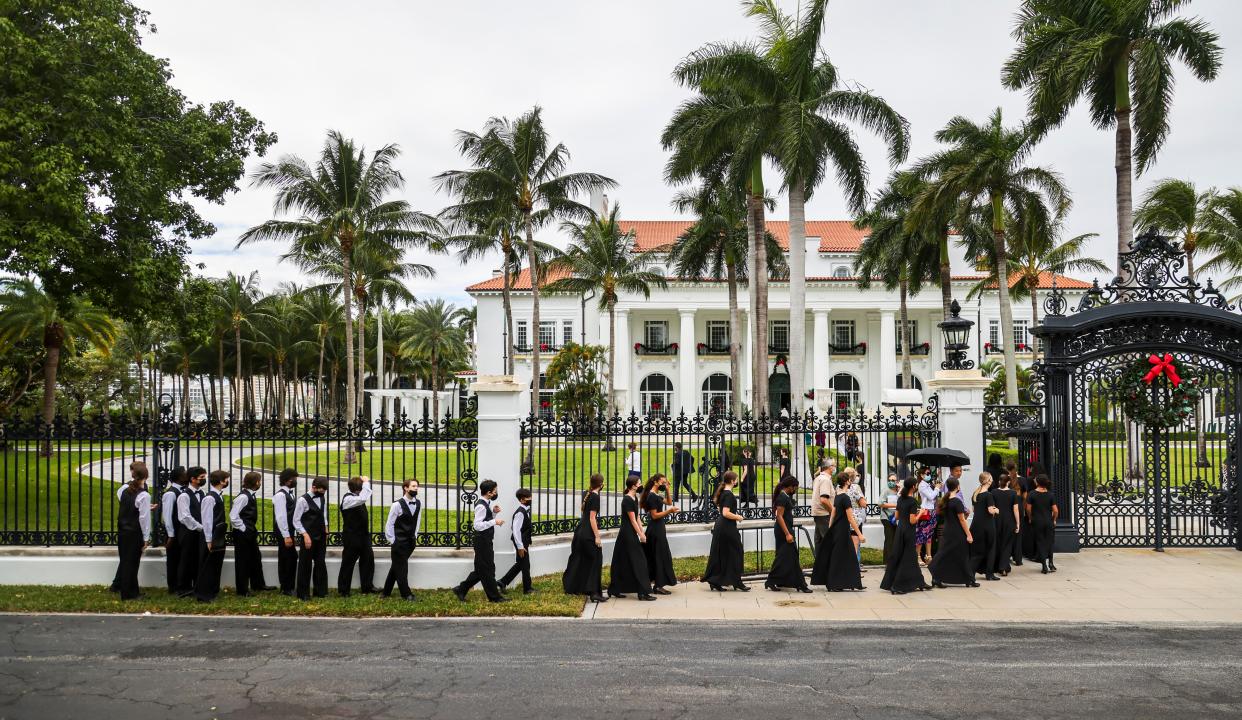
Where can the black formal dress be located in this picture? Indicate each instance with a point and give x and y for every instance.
(983, 532)
(629, 562)
(724, 560)
(1026, 539)
(659, 555)
(1041, 524)
(951, 565)
(1006, 537)
(586, 559)
(786, 563)
(836, 566)
(746, 488)
(902, 573)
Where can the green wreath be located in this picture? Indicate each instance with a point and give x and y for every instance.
(1135, 392)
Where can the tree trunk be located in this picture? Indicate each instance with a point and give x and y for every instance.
(142, 398)
(946, 274)
(506, 301)
(760, 279)
(1006, 304)
(237, 407)
(219, 408)
(904, 328)
(797, 295)
(379, 349)
(735, 365)
(1035, 305)
(362, 358)
(752, 300)
(612, 355)
(53, 337)
(319, 388)
(535, 366)
(185, 390)
(1123, 162)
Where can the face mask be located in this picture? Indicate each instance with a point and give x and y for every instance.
(892, 486)
(413, 493)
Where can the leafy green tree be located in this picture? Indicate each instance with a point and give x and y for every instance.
(1177, 207)
(515, 170)
(436, 337)
(574, 371)
(27, 311)
(1224, 222)
(602, 258)
(102, 161)
(1117, 55)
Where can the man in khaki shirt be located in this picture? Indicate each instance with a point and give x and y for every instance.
(823, 492)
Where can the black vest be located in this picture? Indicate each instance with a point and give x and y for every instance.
(177, 527)
(486, 535)
(127, 516)
(526, 529)
(312, 519)
(407, 521)
(219, 522)
(249, 515)
(355, 523)
(196, 511)
(290, 503)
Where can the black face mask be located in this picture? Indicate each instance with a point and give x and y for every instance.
(413, 493)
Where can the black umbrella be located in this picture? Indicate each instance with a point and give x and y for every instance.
(939, 457)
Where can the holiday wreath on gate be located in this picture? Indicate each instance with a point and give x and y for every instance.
(1134, 389)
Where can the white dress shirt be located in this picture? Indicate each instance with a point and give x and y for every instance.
(301, 508)
(394, 512)
(168, 505)
(480, 513)
(240, 500)
(634, 463)
(279, 500)
(207, 511)
(350, 500)
(183, 511)
(518, 519)
(142, 501)
(928, 495)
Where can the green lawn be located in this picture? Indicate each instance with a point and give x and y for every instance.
(48, 493)
(547, 601)
(1108, 459)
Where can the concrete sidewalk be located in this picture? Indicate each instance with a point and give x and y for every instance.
(1119, 586)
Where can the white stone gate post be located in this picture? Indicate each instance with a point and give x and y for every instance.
(500, 412)
(961, 420)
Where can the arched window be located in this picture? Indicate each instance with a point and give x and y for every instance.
(846, 393)
(717, 394)
(842, 271)
(914, 380)
(655, 395)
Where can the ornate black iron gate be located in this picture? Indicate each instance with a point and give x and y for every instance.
(1142, 406)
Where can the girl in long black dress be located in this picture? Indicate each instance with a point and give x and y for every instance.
(1006, 524)
(1042, 507)
(629, 562)
(837, 569)
(583, 573)
(951, 566)
(901, 573)
(983, 529)
(658, 505)
(724, 561)
(786, 564)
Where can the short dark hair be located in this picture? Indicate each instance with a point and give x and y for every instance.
(252, 480)
(179, 475)
(197, 470)
(487, 486)
(321, 483)
(287, 475)
(218, 477)
(522, 493)
(406, 484)
(1043, 481)
(355, 483)
(677, 445)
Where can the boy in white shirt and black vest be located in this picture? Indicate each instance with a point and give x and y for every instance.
(310, 522)
(485, 522)
(401, 529)
(356, 538)
(283, 502)
(244, 516)
(189, 515)
(172, 526)
(214, 540)
(521, 536)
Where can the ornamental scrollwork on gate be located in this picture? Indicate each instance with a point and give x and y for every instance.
(1152, 271)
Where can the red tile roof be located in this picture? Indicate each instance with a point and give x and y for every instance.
(834, 235)
(1045, 281)
(521, 282)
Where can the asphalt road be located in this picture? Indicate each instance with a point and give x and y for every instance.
(159, 667)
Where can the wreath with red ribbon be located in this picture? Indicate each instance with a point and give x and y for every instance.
(1138, 400)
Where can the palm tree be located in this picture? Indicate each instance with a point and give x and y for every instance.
(436, 337)
(137, 342)
(27, 311)
(986, 163)
(1176, 207)
(602, 258)
(516, 170)
(1224, 222)
(323, 315)
(280, 330)
(236, 299)
(897, 255)
(341, 208)
(1118, 55)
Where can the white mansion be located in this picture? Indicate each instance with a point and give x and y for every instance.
(672, 348)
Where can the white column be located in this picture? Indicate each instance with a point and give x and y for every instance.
(888, 351)
(686, 358)
(961, 418)
(624, 356)
(748, 343)
(872, 363)
(500, 445)
(821, 359)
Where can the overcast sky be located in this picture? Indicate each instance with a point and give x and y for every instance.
(414, 72)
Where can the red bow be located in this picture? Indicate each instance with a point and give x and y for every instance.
(1162, 366)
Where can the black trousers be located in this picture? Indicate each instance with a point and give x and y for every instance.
(172, 563)
(363, 556)
(399, 571)
(312, 564)
(129, 551)
(520, 565)
(680, 481)
(248, 563)
(287, 565)
(484, 571)
(190, 555)
(210, 563)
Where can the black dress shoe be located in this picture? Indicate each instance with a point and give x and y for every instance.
(769, 586)
(598, 599)
(991, 577)
(498, 599)
(741, 588)
(660, 591)
(461, 595)
(937, 584)
(1051, 567)
(972, 583)
(616, 595)
(647, 598)
(528, 591)
(804, 589)
(715, 587)
(410, 598)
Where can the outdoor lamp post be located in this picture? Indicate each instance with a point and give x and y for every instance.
(956, 331)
